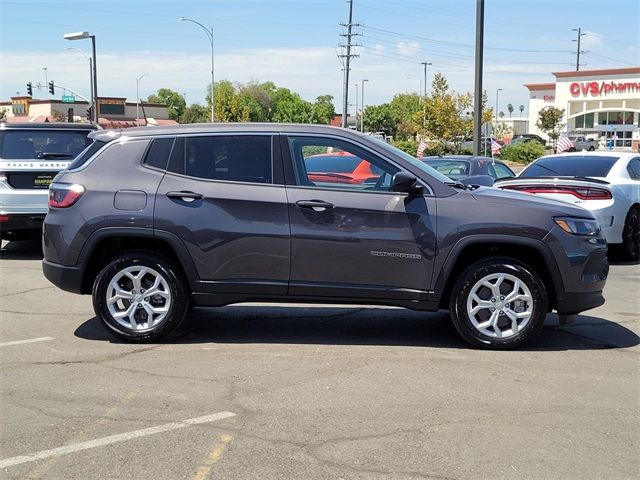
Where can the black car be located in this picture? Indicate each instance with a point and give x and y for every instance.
(470, 169)
(528, 137)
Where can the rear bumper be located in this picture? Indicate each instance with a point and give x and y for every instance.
(12, 223)
(66, 278)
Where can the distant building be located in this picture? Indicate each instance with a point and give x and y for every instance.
(601, 104)
(113, 112)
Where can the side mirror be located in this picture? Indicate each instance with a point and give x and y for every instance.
(405, 182)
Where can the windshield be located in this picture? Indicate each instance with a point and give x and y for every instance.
(40, 144)
(570, 166)
(452, 168)
(414, 161)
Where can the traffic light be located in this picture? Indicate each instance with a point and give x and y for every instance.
(29, 89)
(90, 113)
(52, 90)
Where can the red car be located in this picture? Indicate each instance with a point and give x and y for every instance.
(341, 167)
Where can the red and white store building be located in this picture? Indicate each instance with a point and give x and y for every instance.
(601, 104)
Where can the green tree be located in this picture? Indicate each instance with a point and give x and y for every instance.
(439, 86)
(323, 110)
(228, 107)
(404, 107)
(195, 114)
(3, 114)
(550, 122)
(289, 107)
(174, 101)
(378, 118)
(510, 109)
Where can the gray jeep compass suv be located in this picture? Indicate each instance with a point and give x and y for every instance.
(153, 221)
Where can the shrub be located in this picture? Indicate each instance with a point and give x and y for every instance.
(407, 146)
(522, 152)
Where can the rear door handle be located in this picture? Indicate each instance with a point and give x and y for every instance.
(315, 205)
(186, 196)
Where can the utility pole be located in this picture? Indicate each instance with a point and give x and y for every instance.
(477, 95)
(578, 52)
(345, 59)
(425, 63)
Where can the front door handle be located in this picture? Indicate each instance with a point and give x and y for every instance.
(315, 205)
(186, 196)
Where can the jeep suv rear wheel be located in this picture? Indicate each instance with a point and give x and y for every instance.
(140, 297)
(498, 303)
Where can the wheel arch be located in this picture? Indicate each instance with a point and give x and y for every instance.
(106, 243)
(531, 252)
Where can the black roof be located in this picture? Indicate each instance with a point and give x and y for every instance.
(257, 127)
(47, 126)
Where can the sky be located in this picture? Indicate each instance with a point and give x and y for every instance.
(295, 45)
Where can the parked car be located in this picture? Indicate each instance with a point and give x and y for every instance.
(341, 167)
(528, 137)
(583, 143)
(485, 144)
(605, 183)
(31, 155)
(469, 169)
(157, 220)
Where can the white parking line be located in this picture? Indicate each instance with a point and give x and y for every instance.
(121, 437)
(30, 340)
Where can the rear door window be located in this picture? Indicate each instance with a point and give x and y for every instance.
(240, 158)
(570, 166)
(40, 144)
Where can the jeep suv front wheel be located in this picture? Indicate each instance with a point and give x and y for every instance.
(140, 297)
(498, 303)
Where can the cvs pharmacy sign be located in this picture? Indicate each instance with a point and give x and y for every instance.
(602, 88)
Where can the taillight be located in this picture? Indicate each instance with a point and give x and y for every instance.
(583, 193)
(63, 195)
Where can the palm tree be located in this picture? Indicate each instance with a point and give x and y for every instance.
(510, 108)
(521, 108)
(501, 114)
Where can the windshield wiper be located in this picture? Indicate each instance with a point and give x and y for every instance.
(461, 186)
(50, 155)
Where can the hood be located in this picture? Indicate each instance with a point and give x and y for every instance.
(490, 195)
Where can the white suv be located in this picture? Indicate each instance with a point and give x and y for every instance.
(31, 154)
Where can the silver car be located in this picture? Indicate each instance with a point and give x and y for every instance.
(31, 154)
(605, 183)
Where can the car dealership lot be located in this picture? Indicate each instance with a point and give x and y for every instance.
(315, 392)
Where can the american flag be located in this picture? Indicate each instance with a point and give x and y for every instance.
(495, 147)
(564, 144)
(421, 148)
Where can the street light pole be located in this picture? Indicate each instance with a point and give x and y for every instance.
(362, 116)
(356, 85)
(210, 35)
(82, 36)
(90, 70)
(497, 93)
(138, 97)
(477, 95)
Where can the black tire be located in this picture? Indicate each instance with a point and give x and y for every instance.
(175, 287)
(592, 148)
(464, 285)
(631, 235)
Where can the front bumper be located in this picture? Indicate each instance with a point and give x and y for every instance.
(63, 277)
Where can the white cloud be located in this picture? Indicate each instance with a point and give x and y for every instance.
(591, 39)
(407, 49)
(308, 71)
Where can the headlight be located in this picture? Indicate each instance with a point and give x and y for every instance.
(578, 226)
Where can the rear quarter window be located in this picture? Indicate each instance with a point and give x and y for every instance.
(158, 153)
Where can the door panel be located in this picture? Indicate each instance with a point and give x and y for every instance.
(351, 236)
(367, 243)
(236, 232)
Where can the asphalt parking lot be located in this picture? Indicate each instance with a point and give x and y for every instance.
(298, 392)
